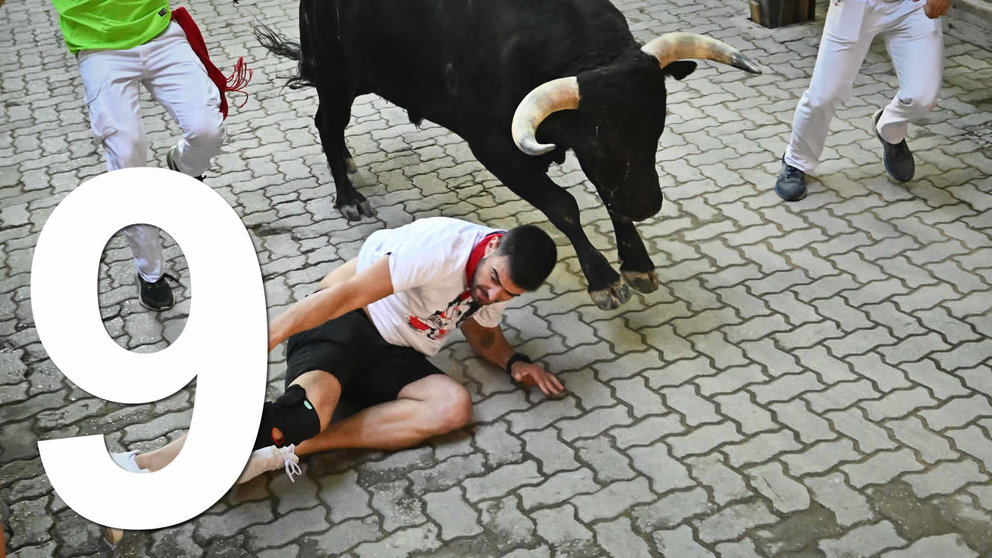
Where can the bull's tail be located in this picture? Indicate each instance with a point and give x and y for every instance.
(281, 46)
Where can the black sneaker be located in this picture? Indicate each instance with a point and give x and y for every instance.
(791, 183)
(897, 157)
(172, 164)
(158, 295)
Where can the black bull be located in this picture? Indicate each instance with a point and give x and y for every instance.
(468, 64)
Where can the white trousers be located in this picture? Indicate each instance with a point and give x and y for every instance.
(175, 77)
(916, 46)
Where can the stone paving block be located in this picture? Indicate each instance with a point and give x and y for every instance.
(455, 517)
(809, 426)
(912, 432)
(724, 483)
(864, 540)
(542, 415)
(695, 409)
(553, 454)
(732, 521)
(740, 408)
(559, 528)
(840, 395)
(287, 528)
(703, 439)
(641, 401)
(558, 488)
(679, 542)
(501, 481)
(973, 441)
(848, 505)
(647, 430)
(965, 355)
(978, 379)
(868, 436)
(665, 472)
(759, 448)
(944, 478)
(885, 377)
(881, 467)
(588, 389)
(398, 508)
(898, 403)
(617, 538)
(612, 500)
(499, 446)
(593, 423)
(344, 496)
(785, 494)
(607, 463)
(402, 543)
(946, 546)
(786, 387)
(957, 412)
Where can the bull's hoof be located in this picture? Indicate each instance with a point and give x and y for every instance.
(350, 212)
(643, 282)
(350, 166)
(365, 208)
(612, 297)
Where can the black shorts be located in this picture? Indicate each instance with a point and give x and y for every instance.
(370, 369)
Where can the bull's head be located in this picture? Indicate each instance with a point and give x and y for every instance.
(620, 111)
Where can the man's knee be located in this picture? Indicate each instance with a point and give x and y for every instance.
(290, 419)
(825, 100)
(206, 135)
(451, 407)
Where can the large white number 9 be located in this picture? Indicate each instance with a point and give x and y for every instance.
(223, 345)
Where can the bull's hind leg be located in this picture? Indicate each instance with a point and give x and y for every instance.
(333, 114)
(527, 178)
(635, 264)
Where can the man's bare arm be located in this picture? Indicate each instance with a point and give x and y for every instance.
(345, 291)
(491, 344)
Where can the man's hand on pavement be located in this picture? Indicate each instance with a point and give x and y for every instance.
(535, 375)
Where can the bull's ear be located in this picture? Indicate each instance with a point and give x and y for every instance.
(680, 68)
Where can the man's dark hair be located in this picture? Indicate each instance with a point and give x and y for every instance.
(531, 255)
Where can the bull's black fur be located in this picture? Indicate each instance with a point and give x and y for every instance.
(466, 64)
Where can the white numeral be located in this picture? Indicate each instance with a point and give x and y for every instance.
(223, 344)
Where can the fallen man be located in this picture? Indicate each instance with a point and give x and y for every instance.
(364, 337)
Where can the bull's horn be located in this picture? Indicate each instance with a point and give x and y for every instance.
(557, 94)
(679, 46)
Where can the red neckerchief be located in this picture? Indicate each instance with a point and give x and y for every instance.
(476, 256)
(238, 80)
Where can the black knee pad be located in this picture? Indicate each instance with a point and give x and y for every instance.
(293, 414)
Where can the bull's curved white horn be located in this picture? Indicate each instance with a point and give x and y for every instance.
(680, 46)
(551, 96)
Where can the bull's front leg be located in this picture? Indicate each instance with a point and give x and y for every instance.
(635, 264)
(529, 181)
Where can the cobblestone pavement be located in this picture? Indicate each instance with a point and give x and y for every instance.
(812, 379)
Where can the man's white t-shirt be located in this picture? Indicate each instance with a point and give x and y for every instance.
(427, 261)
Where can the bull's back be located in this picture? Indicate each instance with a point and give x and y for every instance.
(456, 61)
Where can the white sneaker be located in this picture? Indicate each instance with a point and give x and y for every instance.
(126, 461)
(269, 459)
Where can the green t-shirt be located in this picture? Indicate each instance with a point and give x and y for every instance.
(111, 24)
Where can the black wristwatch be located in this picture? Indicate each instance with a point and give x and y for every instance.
(515, 358)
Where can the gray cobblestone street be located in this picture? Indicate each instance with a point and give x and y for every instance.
(811, 379)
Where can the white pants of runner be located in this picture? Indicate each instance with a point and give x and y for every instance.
(175, 77)
(916, 46)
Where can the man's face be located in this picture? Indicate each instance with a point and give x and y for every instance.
(492, 282)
